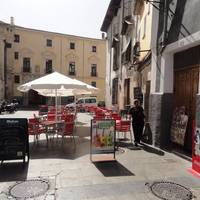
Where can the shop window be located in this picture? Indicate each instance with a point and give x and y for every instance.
(93, 70)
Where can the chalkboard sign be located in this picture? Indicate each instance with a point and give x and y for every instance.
(14, 142)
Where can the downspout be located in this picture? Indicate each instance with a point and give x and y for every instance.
(165, 21)
(5, 69)
(111, 35)
(122, 43)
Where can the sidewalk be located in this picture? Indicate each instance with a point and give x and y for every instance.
(72, 175)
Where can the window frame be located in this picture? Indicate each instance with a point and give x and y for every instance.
(94, 83)
(49, 43)
(94, 49)
(16, 38)
(17, 79)
(48, 66)
(72, 45)
(26, 64)
(72, 68)
(16, 55)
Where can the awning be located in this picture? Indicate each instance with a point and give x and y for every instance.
(128, 21)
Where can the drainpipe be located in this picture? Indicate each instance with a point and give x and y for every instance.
(5, 70)
(165, 21)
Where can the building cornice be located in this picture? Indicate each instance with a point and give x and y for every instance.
(111, 12)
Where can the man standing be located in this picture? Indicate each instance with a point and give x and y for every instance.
(137, 114)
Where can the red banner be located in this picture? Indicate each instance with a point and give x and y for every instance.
(196, 149)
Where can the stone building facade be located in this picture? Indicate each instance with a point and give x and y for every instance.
(175, 69)
(27, 54)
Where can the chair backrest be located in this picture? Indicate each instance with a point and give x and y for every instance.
(69, 117)
(51, 117)
(60, 127)
(33, 126)
(125, 126)
(116, 116)
(99, 117)
(69, 128)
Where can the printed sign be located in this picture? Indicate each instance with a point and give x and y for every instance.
(196, 150)
(103, 136)
(179, 125)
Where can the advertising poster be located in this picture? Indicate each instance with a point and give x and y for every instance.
(179, 125)
(196, 150)
(102, 136)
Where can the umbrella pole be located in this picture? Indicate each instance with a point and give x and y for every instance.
(56, 104)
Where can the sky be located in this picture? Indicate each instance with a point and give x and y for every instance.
(74, 17)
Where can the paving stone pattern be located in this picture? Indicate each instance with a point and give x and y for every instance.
(73, 176)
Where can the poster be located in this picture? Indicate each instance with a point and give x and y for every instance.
(102, 136)
(196, 150)
(179, 125)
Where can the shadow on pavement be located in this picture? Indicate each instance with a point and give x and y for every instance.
(128, 145)
(112, 168)
(152, 150)
(14, 171)
(66, 149)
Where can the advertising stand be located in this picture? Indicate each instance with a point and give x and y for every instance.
(196, 149)
(102, 144)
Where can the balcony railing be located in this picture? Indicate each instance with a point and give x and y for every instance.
(93, 73)
(26, 69)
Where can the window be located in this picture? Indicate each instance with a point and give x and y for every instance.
(72, 68)
(16, 55)
(49, 67)
(81, 101)
(72, 45)
(17, 79)
(94, 49)
(49, 43)
(16, 38)
(93, 83)
(93, 70)
(26, 64)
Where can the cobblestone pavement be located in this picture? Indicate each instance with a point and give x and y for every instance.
(73, 176)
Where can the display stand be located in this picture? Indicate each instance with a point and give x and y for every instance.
(102, 143)
(196, 149)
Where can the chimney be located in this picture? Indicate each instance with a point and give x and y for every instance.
(103, 35)
(12, 21)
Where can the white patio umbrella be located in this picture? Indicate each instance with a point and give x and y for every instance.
(56, 84)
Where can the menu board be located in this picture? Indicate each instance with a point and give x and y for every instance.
(179, 125)
(102, 136)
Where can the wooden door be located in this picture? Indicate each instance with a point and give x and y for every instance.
(186, 83)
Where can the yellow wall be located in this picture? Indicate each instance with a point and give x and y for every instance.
(33, 44)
